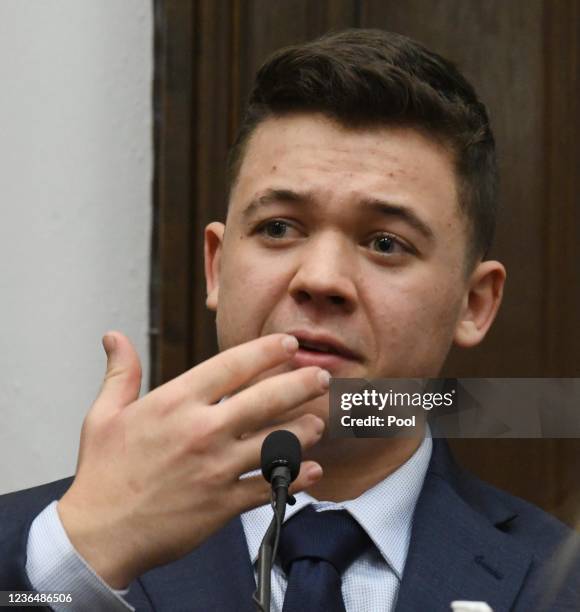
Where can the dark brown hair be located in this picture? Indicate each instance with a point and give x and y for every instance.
(363, 78)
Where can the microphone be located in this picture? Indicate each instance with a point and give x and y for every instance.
(280, 461)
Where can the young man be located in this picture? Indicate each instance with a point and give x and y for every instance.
(362, 206)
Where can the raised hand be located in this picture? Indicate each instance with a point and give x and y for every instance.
(156, 476)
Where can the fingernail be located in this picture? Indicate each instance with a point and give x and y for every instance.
(320, 425)
(324, 378)
(109, 343)
(315, 472)
(290, 344)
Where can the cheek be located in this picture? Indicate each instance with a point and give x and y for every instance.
(248, 292)
(415, 323)
(435, 316)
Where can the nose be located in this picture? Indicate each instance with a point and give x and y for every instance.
(325, 274)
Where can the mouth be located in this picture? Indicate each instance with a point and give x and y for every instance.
(322, 350)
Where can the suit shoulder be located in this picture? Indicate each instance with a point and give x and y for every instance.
(19, 504)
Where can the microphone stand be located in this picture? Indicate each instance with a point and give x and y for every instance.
(269, 546)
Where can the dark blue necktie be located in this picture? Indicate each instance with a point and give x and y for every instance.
(315, 548)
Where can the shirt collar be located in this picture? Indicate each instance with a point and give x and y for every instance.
(385, 511)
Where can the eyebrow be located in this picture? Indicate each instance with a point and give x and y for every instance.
(382, 207)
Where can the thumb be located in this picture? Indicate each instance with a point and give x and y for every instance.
(123, 376)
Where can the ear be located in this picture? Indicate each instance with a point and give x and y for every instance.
(480, 304)
(213, 242)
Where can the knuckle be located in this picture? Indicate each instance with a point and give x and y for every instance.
(93, 421)
(263, 496)
(199, 442)
(229, 366)
(135, 376)
(165, 405)
(219, 471)
(309, 379)
(307, 429)
(203, 432)
(98, 427)
(310, 423)
(115, 372)
(257, 494)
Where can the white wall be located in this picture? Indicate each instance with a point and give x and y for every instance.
(75, 224)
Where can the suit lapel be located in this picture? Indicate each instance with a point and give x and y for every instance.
(216, 576)
(457, 548)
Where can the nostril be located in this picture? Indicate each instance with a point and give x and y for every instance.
(302, 296)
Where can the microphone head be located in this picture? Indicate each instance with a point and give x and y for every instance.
(281, 448)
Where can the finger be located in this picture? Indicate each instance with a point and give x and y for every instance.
(229, 370)
(122, 380)
(254, 491)
(268, 400)
(308, 429)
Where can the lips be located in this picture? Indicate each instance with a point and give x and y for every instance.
(317, 346)
(323, 343)
(323, 350)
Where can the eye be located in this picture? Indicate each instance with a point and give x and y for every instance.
(386, 244)
(275, 228)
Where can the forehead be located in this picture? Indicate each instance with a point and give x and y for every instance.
(337, 164)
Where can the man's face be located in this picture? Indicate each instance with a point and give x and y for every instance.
(352, 239)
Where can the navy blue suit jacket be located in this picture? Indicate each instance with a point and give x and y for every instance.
(469, 541)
